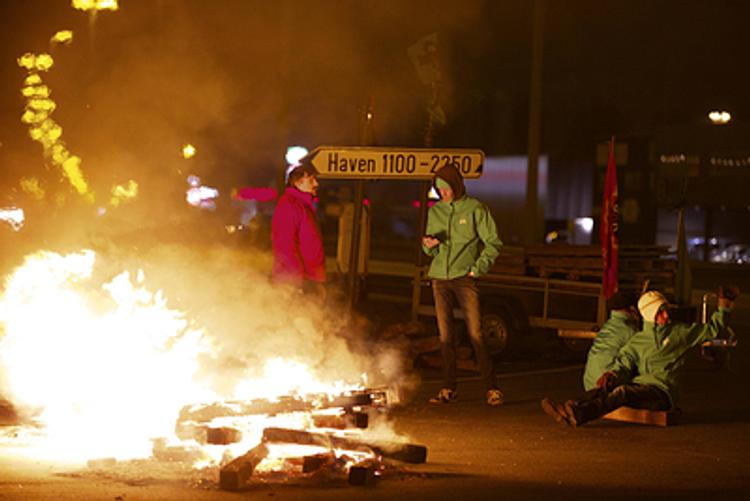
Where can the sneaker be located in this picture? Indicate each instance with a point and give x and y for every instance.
(444, 396)
(555, 410)
(494, 397)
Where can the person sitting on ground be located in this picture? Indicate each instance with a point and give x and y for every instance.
(645, 374)
(622, 324)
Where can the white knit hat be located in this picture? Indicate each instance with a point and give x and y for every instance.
(649, 305)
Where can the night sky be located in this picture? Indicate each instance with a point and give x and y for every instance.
(243, 79)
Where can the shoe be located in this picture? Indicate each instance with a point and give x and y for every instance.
(445, 396)
(494, 397)
(569, 409)
(555, 410)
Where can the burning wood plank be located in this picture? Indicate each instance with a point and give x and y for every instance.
(644, 416)
(362, 475)
(317, 462)
(341, 421)
(162, 451)
(201, 413)
(408, 453)
(236, 474)
(223, 436)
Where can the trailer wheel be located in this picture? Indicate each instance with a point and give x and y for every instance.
(498, 333)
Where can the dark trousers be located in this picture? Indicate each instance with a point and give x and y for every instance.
(464, 291)
(599, 401)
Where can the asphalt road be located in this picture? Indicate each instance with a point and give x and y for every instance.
(477, 452)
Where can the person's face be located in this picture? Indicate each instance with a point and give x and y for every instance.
(662, 318)
(308, 184)
(446, 194)
(631, 312)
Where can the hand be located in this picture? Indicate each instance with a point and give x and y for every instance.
(606, 380)
(727, 296)
(471, 274)
(429, 241)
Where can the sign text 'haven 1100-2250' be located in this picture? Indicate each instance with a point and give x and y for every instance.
(354, 162)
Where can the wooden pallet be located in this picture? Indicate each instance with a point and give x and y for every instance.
(644, 416)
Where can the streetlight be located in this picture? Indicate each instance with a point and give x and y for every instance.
(719, 117)
(188, 151)
(294, 154)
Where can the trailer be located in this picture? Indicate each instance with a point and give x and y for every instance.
(554, 287)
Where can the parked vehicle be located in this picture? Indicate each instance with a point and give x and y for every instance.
(553, 287)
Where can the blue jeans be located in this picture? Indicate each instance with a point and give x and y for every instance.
(464, 291)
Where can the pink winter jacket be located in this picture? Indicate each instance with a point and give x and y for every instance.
(297, 244)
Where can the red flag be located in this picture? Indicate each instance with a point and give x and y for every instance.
(609, 224)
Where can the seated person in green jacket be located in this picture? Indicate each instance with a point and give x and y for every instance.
(646, 371)
(622, 324)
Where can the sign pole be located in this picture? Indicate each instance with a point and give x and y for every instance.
(416, 291)
(359, 191)
(421, 225)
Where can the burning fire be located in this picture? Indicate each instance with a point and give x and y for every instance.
(106, 369)
(102, 370)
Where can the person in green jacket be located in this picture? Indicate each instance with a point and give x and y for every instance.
(622, 324)
(463, 243)
(647, 369)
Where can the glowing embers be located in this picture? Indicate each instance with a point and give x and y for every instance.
(13, 216)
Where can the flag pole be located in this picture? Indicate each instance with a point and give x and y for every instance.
(609, 226)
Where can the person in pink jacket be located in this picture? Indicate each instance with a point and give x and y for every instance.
(298, 257)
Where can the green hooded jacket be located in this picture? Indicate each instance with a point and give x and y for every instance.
(467, 232)
(611, 337)
(655, 355)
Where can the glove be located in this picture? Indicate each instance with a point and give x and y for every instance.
(727, 295)
(606, 380)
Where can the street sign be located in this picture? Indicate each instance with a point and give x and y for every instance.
(354, 162)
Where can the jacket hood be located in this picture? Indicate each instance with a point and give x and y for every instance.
(450, 175)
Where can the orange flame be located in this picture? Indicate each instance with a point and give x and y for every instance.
(106, 366)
